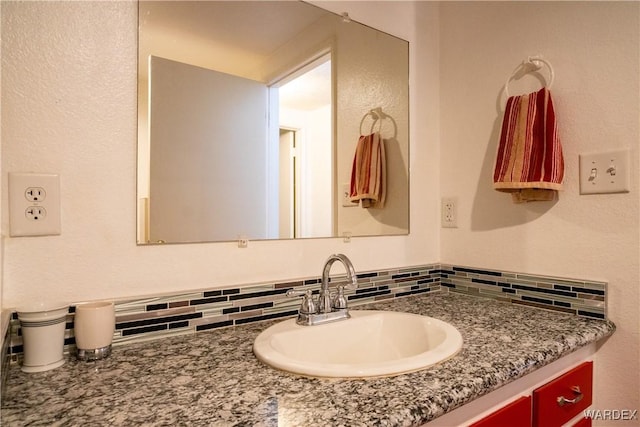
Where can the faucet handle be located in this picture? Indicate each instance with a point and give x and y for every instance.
(340, 301)
(308, 305)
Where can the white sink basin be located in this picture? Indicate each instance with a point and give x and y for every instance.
(370, 343)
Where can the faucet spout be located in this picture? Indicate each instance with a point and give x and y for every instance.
(324, 299)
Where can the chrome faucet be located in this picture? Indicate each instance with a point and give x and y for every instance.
(325, 303)
(328, 308)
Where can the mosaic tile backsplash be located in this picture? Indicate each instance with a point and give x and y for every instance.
(580, 297)
(185, 313)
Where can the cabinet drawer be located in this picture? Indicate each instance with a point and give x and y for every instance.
(516, 413)
(560, 400)
(585, 422)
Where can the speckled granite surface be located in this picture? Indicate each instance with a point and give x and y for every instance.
(213, 379)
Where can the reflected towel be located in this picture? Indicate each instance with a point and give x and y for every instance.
(529, 161)
(368, 172)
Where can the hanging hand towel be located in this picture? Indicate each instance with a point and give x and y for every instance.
(529, 161)
(368, 172)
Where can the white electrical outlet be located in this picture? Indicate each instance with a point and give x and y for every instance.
(35, 213)
(606, 172)
(449, 211)
(34, 204)
(35, 194)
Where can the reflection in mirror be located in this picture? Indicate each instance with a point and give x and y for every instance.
(249, 116)
(305, 152)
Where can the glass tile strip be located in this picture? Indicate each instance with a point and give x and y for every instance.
(156, 317)
(548, 291)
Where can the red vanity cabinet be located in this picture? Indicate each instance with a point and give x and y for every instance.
(516, 413)
(552, 404)
(563, 398)
(584, 422)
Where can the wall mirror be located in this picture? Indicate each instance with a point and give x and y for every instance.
(249, 115)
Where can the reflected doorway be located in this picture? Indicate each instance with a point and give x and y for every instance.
(305, 112)
(289, 185)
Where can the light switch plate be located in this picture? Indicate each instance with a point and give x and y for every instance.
(345, 190)
(34, 204)
(606, 172)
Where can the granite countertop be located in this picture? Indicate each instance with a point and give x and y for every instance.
(212, 378)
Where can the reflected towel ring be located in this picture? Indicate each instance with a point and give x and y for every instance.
(532, 63)
(378, 116)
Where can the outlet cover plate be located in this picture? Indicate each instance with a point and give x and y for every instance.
(34, 204)
(449, 212)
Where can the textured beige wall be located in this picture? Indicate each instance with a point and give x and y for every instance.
(594, 48)
(69, 107)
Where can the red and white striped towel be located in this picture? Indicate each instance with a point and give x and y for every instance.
(529, 160)
(368, 172)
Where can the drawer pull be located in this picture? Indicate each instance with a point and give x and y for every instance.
(564, 401)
